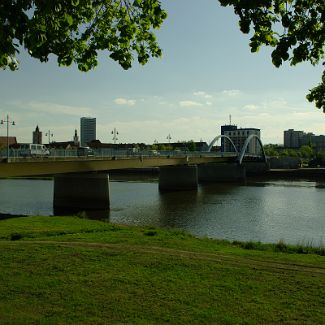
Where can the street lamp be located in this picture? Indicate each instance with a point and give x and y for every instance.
(9, 122)
(50, 135)
(169, 138)
(115, 133)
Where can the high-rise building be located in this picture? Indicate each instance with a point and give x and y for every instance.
(292, 138)
(37, 136)
(87, 130)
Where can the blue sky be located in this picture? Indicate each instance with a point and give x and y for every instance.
(206, 74)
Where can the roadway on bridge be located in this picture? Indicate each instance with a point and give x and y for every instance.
(59, 165)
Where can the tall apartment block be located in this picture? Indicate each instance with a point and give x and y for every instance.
(296, 139)
(292, 138)
(87, 130)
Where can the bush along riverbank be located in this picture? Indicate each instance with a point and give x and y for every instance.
(70, 270)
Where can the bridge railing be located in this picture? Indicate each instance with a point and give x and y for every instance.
(71, 154)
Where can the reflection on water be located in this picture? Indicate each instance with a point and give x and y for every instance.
(102, 215)
(293, 211)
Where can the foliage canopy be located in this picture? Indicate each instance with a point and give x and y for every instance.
(75, 30)
(295, 28)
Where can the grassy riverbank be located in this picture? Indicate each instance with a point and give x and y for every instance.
(65, 270)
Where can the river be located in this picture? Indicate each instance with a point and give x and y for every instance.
(266, 211)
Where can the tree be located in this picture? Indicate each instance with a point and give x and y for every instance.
(295, 28)
(306, 151)
(271, 150)
(191, 145)
(75, 30)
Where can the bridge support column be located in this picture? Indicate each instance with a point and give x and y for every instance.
(78, 192)
(183, 177)
(214, 172)
(256, 168)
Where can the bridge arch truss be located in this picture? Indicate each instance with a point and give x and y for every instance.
(219, 137)
(245, 146)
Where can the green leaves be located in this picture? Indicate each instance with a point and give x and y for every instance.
(317, 94)
(68, 19)
(295, 28)
(75, 2)
(75, 30)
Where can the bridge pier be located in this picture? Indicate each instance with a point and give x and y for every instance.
(214, 172)
(181, 177)
(256, 168)
(78, 192)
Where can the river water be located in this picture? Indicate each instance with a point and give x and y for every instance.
(268, 211)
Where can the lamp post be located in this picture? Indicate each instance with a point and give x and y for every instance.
(50, 135)
(169, 138)
(115, 133)
(9, 122)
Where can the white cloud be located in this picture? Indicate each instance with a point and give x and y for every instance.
(231, 92)
(54, 108)
(250, 107)
(189, 103)
(124, 101)
(202, 94)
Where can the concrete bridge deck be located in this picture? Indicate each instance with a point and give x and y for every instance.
(59, 165)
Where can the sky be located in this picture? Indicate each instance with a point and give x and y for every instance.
(207, 74)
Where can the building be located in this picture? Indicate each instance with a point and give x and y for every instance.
(292, 138)
(87, 130)
(316, 141)
(226, 128)
(296, 139)
(37, 136)
(12, 141)
(239, 136)
(75, 139)
(64, 145)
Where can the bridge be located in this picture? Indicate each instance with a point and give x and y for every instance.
(83, 182)
(62, 165)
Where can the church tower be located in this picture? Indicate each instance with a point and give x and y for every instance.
(37, 136)
(76, 139)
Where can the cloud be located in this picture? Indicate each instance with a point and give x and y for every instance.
(55, 109)
(202, 94)
(231, 92)
(189, 103)
(124, 101)
(250, 107)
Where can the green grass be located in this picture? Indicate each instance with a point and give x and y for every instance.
(67, 270)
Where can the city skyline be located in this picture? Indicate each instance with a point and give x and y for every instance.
(37, 136)
(206, 74)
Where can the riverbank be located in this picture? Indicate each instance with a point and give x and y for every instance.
(71, 270)
(299, 173)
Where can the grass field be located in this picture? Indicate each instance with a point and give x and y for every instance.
(67, 270)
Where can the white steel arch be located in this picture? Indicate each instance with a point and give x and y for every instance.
(219, 137)
(243, 150)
